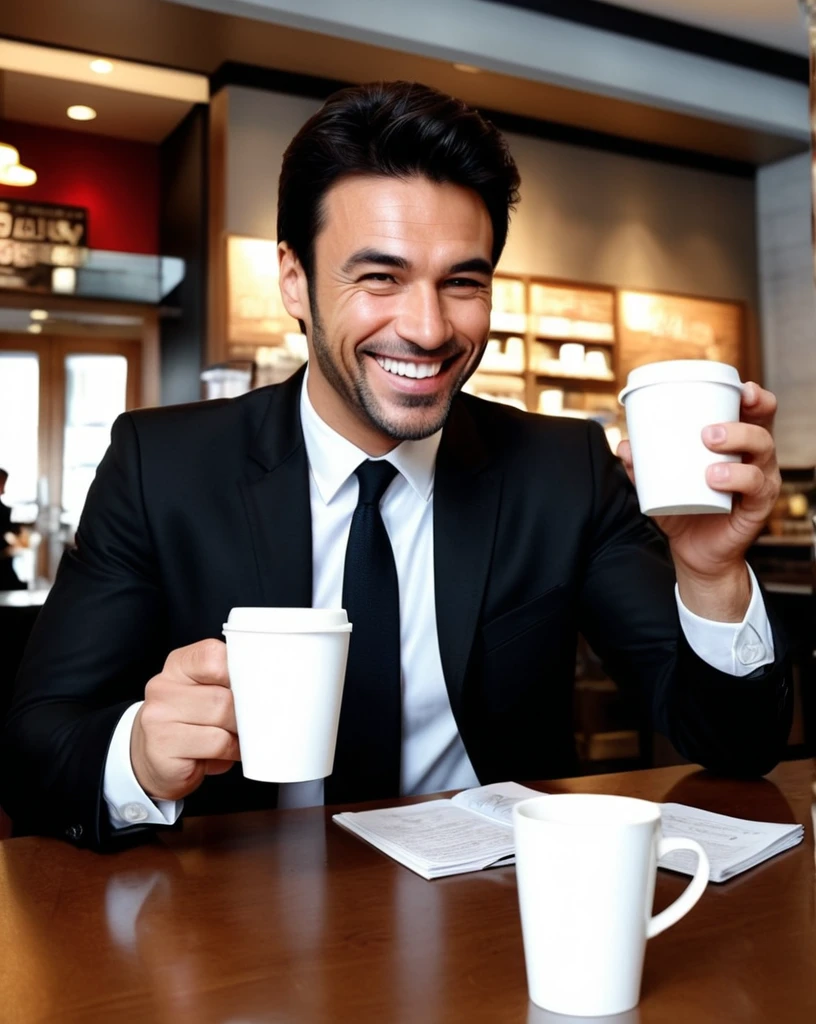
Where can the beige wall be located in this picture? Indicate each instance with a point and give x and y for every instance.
(260, 127)
(585, 215)
(594, 216)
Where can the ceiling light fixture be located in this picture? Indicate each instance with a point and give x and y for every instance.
(38, 314)
(8, 155)
(469, 69)
(101, 67)
(16, 174)
(11, 170)
(79, 112)
(35, 328)
(63, 280)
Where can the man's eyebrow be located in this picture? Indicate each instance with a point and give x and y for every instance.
(383, 259)
(477, 265)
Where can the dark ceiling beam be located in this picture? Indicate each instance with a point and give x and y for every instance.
(675, 35)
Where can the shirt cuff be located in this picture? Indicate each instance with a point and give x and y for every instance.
(128, 804)
(735, 648)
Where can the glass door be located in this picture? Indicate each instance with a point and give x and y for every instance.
(59, 397)
(24, 371)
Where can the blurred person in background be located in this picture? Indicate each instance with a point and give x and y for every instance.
(8, 543)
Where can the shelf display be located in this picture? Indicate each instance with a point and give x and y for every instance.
(555, 341)
(571, 312)
(566, 349)
(504, 355)
(655, 326)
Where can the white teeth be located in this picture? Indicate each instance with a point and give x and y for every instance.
(403, 368)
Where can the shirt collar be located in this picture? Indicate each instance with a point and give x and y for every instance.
(333, 458)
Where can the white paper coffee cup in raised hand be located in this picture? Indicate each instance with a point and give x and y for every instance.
(667, 406)
(286, 668)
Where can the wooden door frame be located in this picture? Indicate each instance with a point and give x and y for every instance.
(150, 343)
(52, 350)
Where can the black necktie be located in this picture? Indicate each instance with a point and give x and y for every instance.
(367, 761)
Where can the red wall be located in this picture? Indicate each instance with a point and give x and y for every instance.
(115, 179)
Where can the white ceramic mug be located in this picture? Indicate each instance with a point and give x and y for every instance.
(586, 867)
(667, 406)
(287, 667)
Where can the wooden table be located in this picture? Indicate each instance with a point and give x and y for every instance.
(280, 916)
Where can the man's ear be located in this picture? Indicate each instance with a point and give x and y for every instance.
(294, 287)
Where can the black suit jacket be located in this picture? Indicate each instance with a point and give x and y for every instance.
(537, 535)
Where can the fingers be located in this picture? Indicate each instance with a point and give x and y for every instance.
(740, 478)
(186, 726)
(204, 662)
(757, 405)
(192, 705)
(202, 743)
(747, 439)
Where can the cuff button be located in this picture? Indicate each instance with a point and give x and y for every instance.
(133, 812)
(750, 654)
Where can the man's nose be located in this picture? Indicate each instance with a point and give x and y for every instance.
(422, 318)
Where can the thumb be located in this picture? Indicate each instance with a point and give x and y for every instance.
(624, 453)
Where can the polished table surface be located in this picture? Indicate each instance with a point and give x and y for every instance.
(281, 916)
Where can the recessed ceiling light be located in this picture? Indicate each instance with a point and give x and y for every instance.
(79, 112)
(469, 69)
(39, 314)
(35, 328)
(101, 67)
(16, 174)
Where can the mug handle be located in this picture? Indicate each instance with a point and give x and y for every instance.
(683, 904)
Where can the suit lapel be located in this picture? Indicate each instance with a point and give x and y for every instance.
(275, 494)
(467, 487)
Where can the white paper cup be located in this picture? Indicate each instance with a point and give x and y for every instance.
(667, 406)
(585, 867)
(287, 667)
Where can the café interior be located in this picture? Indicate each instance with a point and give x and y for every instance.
(666, 213)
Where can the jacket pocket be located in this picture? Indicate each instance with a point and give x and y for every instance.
(513, 624)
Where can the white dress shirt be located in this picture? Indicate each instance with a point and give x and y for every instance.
(433, 754)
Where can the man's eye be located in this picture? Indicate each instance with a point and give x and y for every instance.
(378, 278)
(464, 282)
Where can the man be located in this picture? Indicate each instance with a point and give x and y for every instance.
(9, 580)
(470, 542)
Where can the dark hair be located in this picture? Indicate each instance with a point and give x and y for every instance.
(397, 129)
(3, 475)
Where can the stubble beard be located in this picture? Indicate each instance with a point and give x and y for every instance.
(358, 393)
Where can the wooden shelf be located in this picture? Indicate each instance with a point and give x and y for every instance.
(583, 383)
(549, 340)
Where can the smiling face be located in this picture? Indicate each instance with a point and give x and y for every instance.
(400, 305)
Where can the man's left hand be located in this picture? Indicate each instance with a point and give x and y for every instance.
(709, 550)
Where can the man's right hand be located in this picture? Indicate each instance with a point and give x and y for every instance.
(186, 727)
